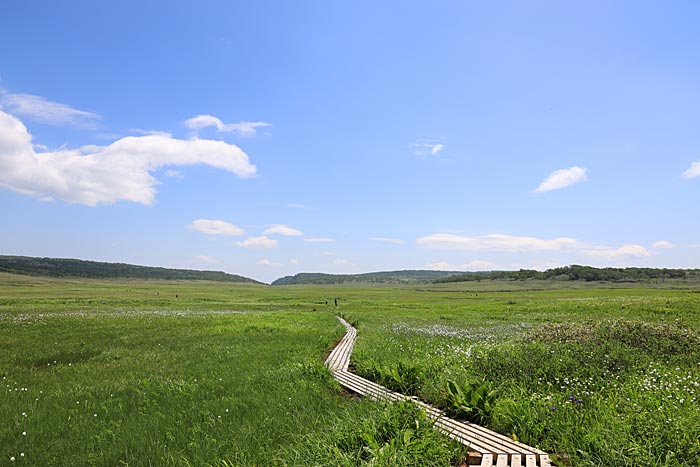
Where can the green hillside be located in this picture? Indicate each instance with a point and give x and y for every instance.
(384, 277)
(580, 273)
(59, 267)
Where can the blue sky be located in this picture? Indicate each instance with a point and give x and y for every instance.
(268, 138)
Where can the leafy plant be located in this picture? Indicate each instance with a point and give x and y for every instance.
(473, 402)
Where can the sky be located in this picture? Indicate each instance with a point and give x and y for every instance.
(269, 138)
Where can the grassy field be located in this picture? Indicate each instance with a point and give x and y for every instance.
(194, 373)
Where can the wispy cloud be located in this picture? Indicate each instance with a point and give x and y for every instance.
(499, 243)
(428, 147)
(693, 171)
(174, 174)
(244, 129)
(495, 242)
(45, 111)
(319, 240)
(476, 265)
(562, 178)
(267, 262)
(281, 229)
(216, 227)
(395, 241)
(94, 175)
(258, 242)
(625, 251)
(207, 259)
(298, 206)
(663, 244)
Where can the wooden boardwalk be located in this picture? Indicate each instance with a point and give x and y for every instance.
(489, 448)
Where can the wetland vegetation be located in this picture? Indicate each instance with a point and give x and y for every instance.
(139, 373)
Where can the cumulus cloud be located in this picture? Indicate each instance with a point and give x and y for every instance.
(94, 175)
(45, 111)
(693, 171)
(562, 178)
(244, 129)
(207, 259)
(395, 241)
(496, 242)
(258, 242)
(281, 229)
(663, 244)
(428, 147)
(319, 240)
(267, 262)
(216, 227)
(625, 251)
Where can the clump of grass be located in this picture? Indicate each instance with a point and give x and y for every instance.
(406, 378)
(392, 434)
(657, 339)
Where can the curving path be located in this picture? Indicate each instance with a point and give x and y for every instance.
(490, 448)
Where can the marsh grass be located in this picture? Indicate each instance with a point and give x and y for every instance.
(209, 374)
(613, 391)
(101, 373)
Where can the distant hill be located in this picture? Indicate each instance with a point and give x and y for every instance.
(579, 273)
(55, 267)
(384, 277)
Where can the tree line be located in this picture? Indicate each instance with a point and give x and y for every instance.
(579, 273)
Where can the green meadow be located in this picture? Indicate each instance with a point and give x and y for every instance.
(194, 373)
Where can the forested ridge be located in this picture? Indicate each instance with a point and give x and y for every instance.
(60, 267)
(579, 273)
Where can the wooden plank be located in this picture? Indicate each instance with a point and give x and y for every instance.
(479, 432)
(530, 460)
(515, 460)
(502, 460)
(487, 460)
(545, 461)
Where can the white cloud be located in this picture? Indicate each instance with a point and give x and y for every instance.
(495, 242)
(663, 244)
(441, 266)
(298, 206)
(216, 227)
(258, 242)
(45, 111)
(207, 259)
(94, 175)
(293, 261)
(245, 129)
(693, 171)
(174, 174)
(395, 241)
(498, 243)
(139, 131)
(562, 178)
(427, 147)
(280, 229)
(625, 251)
(476, 265)
(267, 262)
(319, 240)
